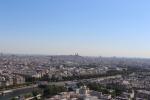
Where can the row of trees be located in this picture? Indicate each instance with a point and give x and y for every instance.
(88, 76)
(114, 89)
(75, 77)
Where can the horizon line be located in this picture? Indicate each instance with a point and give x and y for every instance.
(36, 54)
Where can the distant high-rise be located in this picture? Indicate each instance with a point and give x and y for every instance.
(76, 54)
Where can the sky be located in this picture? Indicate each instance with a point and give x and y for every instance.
(63, 27)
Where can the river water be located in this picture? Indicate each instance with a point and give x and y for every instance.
(9, 96)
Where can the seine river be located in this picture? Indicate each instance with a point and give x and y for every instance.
(9, 96)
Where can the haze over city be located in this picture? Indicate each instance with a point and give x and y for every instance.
(63, 27)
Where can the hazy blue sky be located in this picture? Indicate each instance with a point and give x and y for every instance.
(89, 27)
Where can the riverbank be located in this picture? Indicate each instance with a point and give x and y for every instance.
(20, 88)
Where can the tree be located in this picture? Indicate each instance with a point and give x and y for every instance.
(51, 90)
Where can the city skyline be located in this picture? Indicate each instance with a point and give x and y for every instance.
(98, 28)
